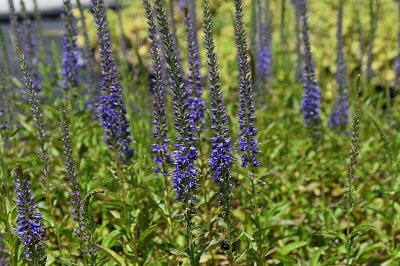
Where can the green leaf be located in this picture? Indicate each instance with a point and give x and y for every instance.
(331, 260)
(292, 246)
(361, 228)
(285, 259)
(176, 249)
(67, 262)
(113, 254)
(315, 259)
(147, 232)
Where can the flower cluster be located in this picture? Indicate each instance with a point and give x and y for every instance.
(339, 116)
(185, 173)
(112, 110)
(32, 93)
(30, 229)
(311, 97)
(70, 60)
(264, 50)
(160, 149)
(195, 86)
(69, 162)
(247, 144)
(221, 158)
(86, 226)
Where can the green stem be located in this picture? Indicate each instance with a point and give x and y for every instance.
(122, 178)
(349, 209)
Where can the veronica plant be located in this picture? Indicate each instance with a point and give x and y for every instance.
(160, 149)
(70, 60)
(264, 52)
(339, 115)
(351, 173)
(185, 174)
(80, 206)
(248, 146)
(69, 162)
(195, 79)
(221, 158)
(112, 110)
(299, 44)
(88, 57)
(15, 25)
(30, 229)
(311, 97)
(32, 93)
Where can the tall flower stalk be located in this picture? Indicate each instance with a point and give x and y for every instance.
(311, 98)
(80, 209)
(112, 110)
(32, 93)
(70, 60)
(299, 43)
(15, 25)
(351, 174)
(195, 79)
(185, 174)
(339, 115)
(160, 149)
(264, 51)
(88, 57)
(221, 158)
(30, 229)
(248, 146)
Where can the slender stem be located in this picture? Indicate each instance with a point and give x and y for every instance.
(122, 178)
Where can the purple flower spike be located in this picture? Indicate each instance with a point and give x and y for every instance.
(195, 86)
(247, 145)
(30, 229)
(299, 54)
(185, 172)
(70, 60)
(311, 97)
(264, 51)
(160, 148)
(112, 110)
(339, 116)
